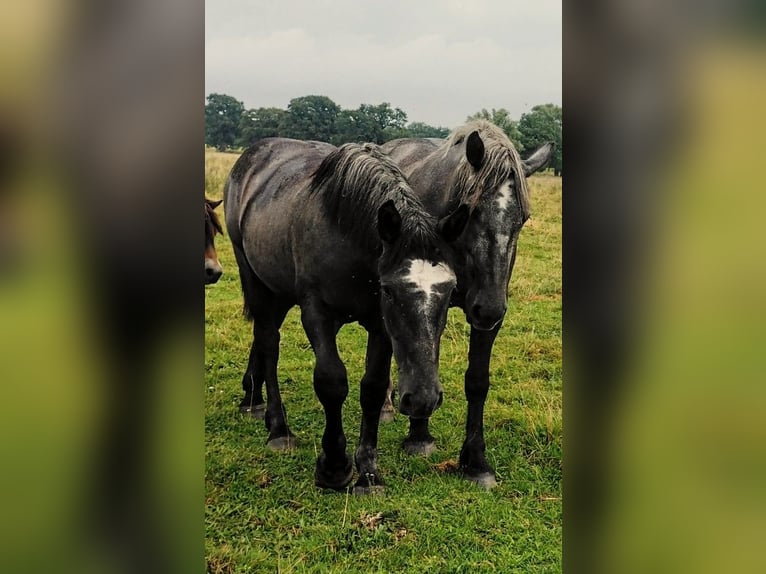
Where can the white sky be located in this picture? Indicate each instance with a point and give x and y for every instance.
(438, 60)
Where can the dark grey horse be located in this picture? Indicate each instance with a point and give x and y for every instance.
(477, 165)
(339, 232)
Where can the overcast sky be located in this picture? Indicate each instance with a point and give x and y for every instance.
(438, 60)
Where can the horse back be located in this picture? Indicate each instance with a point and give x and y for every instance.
(265, 193)
(409, 151)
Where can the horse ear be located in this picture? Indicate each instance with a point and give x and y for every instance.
(538, 159)
(214, 204)
(474, 150)
(451, 226)
(389, 222)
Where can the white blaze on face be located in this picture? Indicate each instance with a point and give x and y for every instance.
(504, 195)
(425, 275)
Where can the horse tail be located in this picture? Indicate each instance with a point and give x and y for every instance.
(247, 279)
(232, 227)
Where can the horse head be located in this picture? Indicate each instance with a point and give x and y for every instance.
(213, 269)
(416, 283)
(491, 177)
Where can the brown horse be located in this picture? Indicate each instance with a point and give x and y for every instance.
(213, 269)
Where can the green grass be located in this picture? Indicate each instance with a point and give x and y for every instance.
(263, 513)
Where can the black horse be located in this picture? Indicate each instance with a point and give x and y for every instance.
(478, 166)
(339, 232)
(213, 269)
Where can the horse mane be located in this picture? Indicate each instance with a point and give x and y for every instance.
(500, 160)
(211, 216)
(354, 181)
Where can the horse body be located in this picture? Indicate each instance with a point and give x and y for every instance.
(478, 166)
(330, 229)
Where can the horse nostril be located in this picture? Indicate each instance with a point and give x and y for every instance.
(476, 311)
(212, 274)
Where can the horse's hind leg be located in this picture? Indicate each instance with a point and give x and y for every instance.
(268, 313)
(266, 345)
(388, 411)
(252, 384)
(333, 468)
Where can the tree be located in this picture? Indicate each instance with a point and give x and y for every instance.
(502, 119)
(310, 118)
(382, 120)
(345, 128)
(423, 130)
(369, 123)
(261, 123)
(540, 125)
(222, 116)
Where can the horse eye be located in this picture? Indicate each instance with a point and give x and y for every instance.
(387, 292)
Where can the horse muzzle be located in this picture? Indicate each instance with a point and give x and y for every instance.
(486, 317)
(419, 405)
(213, 271)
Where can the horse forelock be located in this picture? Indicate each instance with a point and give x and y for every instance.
(355, 180)
(500, 161)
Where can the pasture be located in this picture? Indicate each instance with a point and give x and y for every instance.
(262, 510)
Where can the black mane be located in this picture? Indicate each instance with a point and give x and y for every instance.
(354, 181)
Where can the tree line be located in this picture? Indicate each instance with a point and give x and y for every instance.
(229, 125)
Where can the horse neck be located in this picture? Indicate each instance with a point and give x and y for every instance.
(431, 180)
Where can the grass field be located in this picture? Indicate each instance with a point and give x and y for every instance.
(263, 513)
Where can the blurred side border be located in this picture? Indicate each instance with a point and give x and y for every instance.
(101, 290)
(663, 275)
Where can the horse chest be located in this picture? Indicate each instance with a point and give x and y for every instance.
(353, 296)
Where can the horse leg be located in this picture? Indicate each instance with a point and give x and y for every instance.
(333, 468)
(372, 394)
(266, 340)
(388, 411)
(473, 463)
(252, 384)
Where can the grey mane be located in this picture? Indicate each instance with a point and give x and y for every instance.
(354, 181)
(501, 160)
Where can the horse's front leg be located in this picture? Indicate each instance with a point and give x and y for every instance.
(473, 463)
(372, 395)
(333, 468)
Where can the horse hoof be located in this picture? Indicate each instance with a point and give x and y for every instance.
(337, 479)
(282, 443)
(387, 416)
(422, 448)
(486, 480)
(258, 412)
(375, 490)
